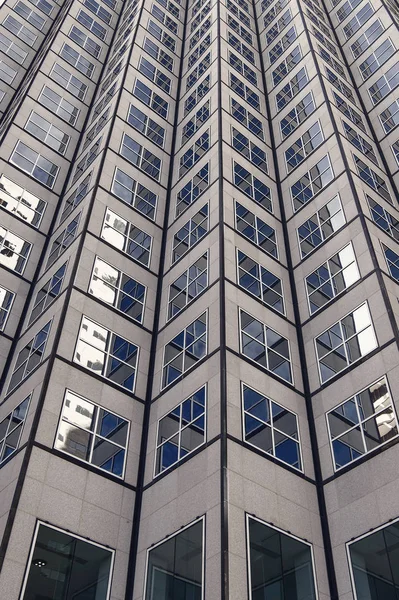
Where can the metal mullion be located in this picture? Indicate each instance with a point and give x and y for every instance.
(93, 434)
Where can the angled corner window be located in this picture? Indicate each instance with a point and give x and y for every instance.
(63, 241)
(118, 289)
(261, 283)
(29, 357)
(362, 423)
(345, 342)
(265, 347)
(107, 354)
(11, 430)
(374, 564)
(279, 563)
(270, 427)
(188, 285)
(92, 434)
(332, 278)
(185, 350)
(68, 563)
(48, 293)
(175, 567)
(181, 431)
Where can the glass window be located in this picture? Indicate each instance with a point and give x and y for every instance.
(392, 259)
(7, 74)
(260, 282)
(44, 131)
(365, 40)
(273, 12)
(172, 8)
(311, 182)
(282, 22)
(390, 117)
(359, 142)
(332, 278)
(85, 41)
(345, 342)
(188, 286)
(377, 59)
(33, 163)
(271, 428)
(143, 159)
(244, 91)
(20, 202)
(70, 565)
(256, 230)
(29, 357)
(76, 197)
(30, 15)
(297, 115)
(194, 39)
(63, 240)
(361, 424)
(14, 251)
(92, 434)
(77, 60)
(279, 563)
(279, 48)
(180, 432)
(243, 68)
(238, 13)
(150, 98)
(243, 49)
(247, 148)
(107, 354)
(190, 233)
(326, 56)
(372, 179)
(340, 85)
(383, 219)
(11, 430)
(155, 75)
(239, 29)
(349, 112)
(265, 346)
(185, 350)
(98, 10)
(375, 564)
(198, 71)
(194, 153)
(127, 237)
(303, 146)
(175, 567)
(242, 115)
(385, 84)
(286, 65)
(164, 19)
(197, 120)
(160, 55)
(149, 128)
(58, 105)
(48, 293)
(346, 9)
(87, 21)
(198, 52)
(200, 91)
(253, 187)
(292, 88)
(161, 35)
(12, 49)
(6, 300)
(68, 81)
(192, 190)
(113, 286)
(195, 22)
(22, 32)
(358, 20)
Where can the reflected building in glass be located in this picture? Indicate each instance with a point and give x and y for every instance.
(199, 302)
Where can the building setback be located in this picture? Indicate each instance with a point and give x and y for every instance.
(199, 301)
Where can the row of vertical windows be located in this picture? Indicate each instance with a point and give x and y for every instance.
(242, 48)
(194, 153)
(244, 18)
(377, 59)
(297, 115)
(279, 48)
(127, 238)
(274, 11)
(240, 30)
(199, 51)
(35, 164)
(150, 98)
(14, 250)
(359, 142)
(372, 179)
(147, 126)
(195, 22)
(199, 33)
(140, 157)
(29, 357)
(12, 49)
(68, 81)
(243, 68)
(303, 146)
(287, 65)
(349, 112)
(323, 40)
(58, 105)
(170, 7)
(311, 182)
(243, 90)
(249, 120)
(200, 91)
(334, 64)
(260, 282)
(196, 121)
(63, 241)
(164, 19)
(192, 190)
(339, 85)
(155, 75)
(11, 430)
(98, 10)
(85, 42)
(292, 88)
(190, 233)
(188, 286)
(49, 134)
(91, 24)
(256, 230)
(198, 71)
(48, 293)
(278, 27)
(30, 15)
(370, 35)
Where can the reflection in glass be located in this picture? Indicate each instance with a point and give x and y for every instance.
(187, 287)
(270, 427)
(72, 569)
(260, 282)
(107, 354)
(127, 237)
(20, 202)
(345, 342)
(375, 564)
(181, 431)
(118, 289)
(362, 423)
(92, 434)
(321, 226)
(175, 567)
(6, 300)
(11, 429)
(14, 251)
(281, 566)
(30, 356)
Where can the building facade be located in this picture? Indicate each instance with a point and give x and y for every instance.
(199, 302)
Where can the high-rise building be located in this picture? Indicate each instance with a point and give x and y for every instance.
(199, 302)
